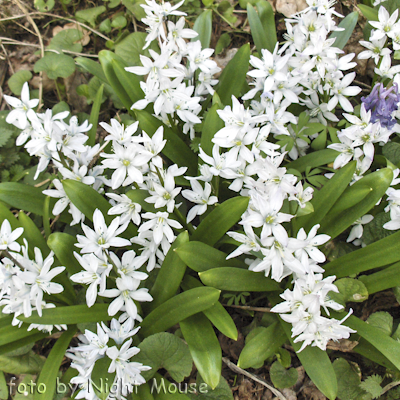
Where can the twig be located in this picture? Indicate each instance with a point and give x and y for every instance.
(59, 17)
(255, 378)
(36, 29)
(7, 58)
(249, 308)
(363, 84)
(390, 386)
(55, 220)
(43, 183)
(8, 255)
(96, 156)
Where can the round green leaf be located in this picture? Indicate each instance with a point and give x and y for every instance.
(16, 82)
(67, 39)
(56, 65)
(282, 377)
(119, 22)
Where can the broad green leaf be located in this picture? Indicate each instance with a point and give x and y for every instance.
(92, 67)
(49, 372)
(94, 116)
(63, 246)
(282, 377)
(90, 14)
(350, 289)
(391, 151)
(13, 338)
(257, 30)
(336, 222)
(131, 47)
(105, 26)
(267, 18)
(233, 76)
(238, 280)
(3, 387)
(29, 363)
(134, 6)
(348, 23)
(348, 380)
(170, 276)
(22, 197)
(204, 391)
(203, 26)
(217, 314)
(324, 199)
(33, 234)
(212, 124)
(139, 196)
(44, 6)
(163, 389)
(143, 392)
(26, 388)
(371, 14)
(86, 199)
(69, 315)
(100, 377)
(202, 257)
(316, 364)
(381, 320)
(385, 279)
(223, 42)
(165, 350)
(175, 148)
(368, 351)
(372, 385)
(220, 220)
(383, 252)
(312, 160)
(374, 230)
(18, 79)
(67, 39)
(119, 22)
(55, 65)
(60, 107)
(178, 308)
(389, 347)
(204, 347)
(264, 344)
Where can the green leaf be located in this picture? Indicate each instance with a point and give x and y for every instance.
(44, 6)
(33, 234)
(267, 17)
(348, 380)
(90, 14)
(202, 257)
(67, 39)
(212, 124)
(381, 320)
(383, 252)
(374, 230)
(349, 290)
(316, 364)
(165, 350)
(203, 26)
(134, 6)
(233, 76)
(6, 134)
(170, 276)
(69, 315)
(264, 344)
(22, 197)
(314, 159)
(324, 199)
(282, 377)
(257, 30)
(336, 221)
(373, 386)
(223, 42)
(348, 23)
(49, 372)
(204, 347)
(60, 107)
(105, 26)
(119, 22)
(94, 117)
(55, 65)
(205, 392)
(389, 347)
(391, 151)
(29, 363)
(92, 67)
(238, 280)
(371, 14)
(220, 220)
(63, 246)
(3, 387)
(18, 79)
(382, 280)
(177, 308)
(175, 148)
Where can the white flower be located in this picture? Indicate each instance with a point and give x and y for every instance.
(126, 207)
(385, 26)
(8, 237)
(357, 229)
(118, 133)
(311, 241)
(18, 116)
(199, 196)
(102, 237)
(375, 50)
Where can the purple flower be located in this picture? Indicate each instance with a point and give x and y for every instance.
(382, 102)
